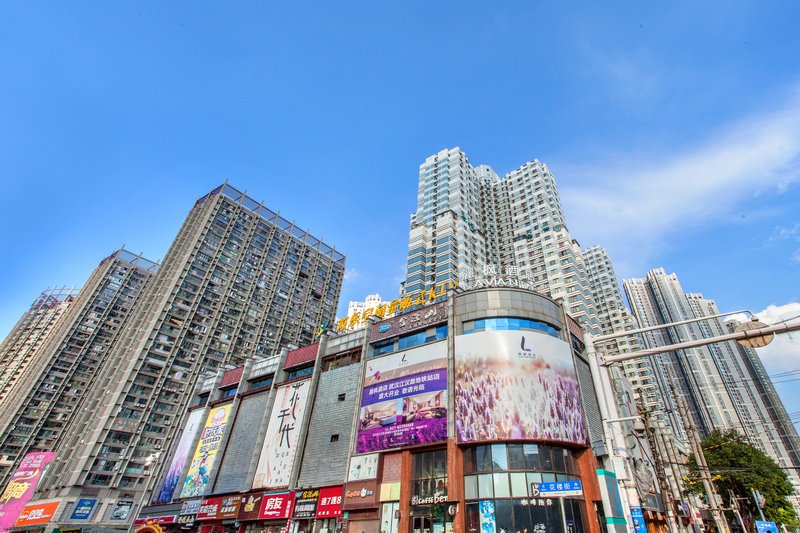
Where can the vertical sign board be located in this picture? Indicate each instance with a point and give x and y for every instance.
(404, 399)
(638, 519)
(206, 451)
(488, 521)
(21, 486)
(516, 385)
(179, 459)
(283, 433)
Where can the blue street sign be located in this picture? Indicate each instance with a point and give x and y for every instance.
(766, 527)
(558, 488)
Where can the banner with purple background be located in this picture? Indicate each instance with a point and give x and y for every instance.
(21, 486)
(404, 400)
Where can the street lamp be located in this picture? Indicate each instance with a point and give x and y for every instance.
(751, 334)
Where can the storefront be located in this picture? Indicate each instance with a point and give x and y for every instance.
(362, 507)
(273, 515)
(430, 510)
(501, 489)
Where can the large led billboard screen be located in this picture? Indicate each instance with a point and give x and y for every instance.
(404, 400)
(516, 385)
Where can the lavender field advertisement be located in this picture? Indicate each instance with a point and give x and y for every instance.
(404, 401)
(516, 385)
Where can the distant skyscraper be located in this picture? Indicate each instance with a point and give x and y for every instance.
(694, 373)
(239, 280)
(468, 218)
(24, 341)
(44, 401)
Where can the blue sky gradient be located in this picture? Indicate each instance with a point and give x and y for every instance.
(673, 130)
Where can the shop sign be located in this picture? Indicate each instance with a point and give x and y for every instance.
(361, 495)
(250, 506)
(534, 502)
(208, 508)
(276, 505)
(36, 513)
(169, 519)
(83, 509)
(122, 510)
(186, 519)
(408, 322)
(638, 519)
(428, 500)
(190, 507)
(305, 503)
(229, 508)
(330, 502)
(21, 486)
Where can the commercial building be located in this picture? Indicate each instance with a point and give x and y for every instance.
(44, 403)
(29, 334)
(239, 281)
(470, 222)
(475, 410)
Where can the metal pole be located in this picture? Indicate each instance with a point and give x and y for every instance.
(758, 505)
(601, 338)
(739, 335)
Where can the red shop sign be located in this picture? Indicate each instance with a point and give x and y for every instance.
(276, 505)
(208, 508)
(330, 502)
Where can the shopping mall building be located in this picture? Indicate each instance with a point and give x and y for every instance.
(475, 414)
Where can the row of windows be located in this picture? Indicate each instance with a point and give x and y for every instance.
(520, 457)
(509, 324)
(409, 341)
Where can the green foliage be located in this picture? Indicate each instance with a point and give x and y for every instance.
(736, 465)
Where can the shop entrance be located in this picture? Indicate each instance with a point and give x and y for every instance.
(422, 524)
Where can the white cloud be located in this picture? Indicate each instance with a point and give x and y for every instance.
(634, 205)
(351, 274)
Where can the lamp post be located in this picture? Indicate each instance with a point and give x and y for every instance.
(750, 334)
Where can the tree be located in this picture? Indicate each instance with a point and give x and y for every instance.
(737, 466)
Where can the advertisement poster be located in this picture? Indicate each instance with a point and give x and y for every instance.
(514, 385)
(278, 454)
(179, 458)
(276, 505)
(206, 452)
(404, 400)
(330, 502)
(21, 486)
(638, 520)
(363, 467)
(122, 510)
(488, 522)
(37, 513)
(83, 509)
(305, 503)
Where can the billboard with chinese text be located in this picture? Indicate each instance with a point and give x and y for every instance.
(175, 471)
(280, 444)
(206, 451)
(516, 385)
(404, 399)
(21, 486)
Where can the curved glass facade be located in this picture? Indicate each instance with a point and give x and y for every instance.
(499, 480)
(509, 324)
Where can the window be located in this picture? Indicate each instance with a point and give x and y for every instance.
(341, 397)
(509, 324)
(300, 372)
(335, 437)
(227, 393)
(259, 383)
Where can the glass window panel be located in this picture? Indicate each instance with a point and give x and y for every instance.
(545, 458)
(559, 465)
(554, 524)
(522, 517)
(473, 518)
(501, 489)
(531, 452)
(577, 514)
(469, 461)
(499, 459)
(485, 487)
(547, 476)
(516, 458)
(519, 485)
(503, 515)
(533, 478)
(470, 487)
(483, 458)
(539, 520)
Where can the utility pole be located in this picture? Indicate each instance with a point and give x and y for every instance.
(667, 490)
(735, 507)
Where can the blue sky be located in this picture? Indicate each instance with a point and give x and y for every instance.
(673, 130)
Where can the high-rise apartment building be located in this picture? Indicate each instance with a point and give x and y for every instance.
(43, 403)
(694, 373)
(238, 281)
(470, 219)
(29, 334)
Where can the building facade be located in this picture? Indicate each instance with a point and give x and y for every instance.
(476, 410)
(239, 281)
(44, 403)
(28, 335)
(470, 222)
